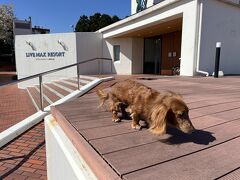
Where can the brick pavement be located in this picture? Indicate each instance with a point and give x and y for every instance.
(15, 106)
(24, 157)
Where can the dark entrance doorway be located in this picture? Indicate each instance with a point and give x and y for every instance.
(152, 55)
(162, 53)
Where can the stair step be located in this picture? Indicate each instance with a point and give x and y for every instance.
(52, 96)
(36, 97)
(58, 94)
(32, 97)
(82, 81)
(44, 95)
(71, 83)
(62, 86)
(90, 78)
(58, 89)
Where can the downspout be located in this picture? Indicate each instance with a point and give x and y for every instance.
(198, 37)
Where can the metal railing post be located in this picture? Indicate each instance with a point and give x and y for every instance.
(101, 70)
(78, 77)
(99, 67)
(111, 66)
(41, 92)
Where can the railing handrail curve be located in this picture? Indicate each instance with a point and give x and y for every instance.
(52, 71)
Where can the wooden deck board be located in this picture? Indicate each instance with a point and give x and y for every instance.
(174, 147)
(232, 175)
(207, 164)
(212, 151)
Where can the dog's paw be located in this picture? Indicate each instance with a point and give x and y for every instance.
(137, 127)
(116, 120)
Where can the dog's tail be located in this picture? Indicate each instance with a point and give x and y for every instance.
(102, 96)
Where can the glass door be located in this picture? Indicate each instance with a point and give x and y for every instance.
(152, 55)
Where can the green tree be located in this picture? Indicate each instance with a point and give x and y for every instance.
(95, 22)
(6, 28)
(115, 19)
(83, 24)
(105, 20)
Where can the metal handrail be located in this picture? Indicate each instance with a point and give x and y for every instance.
(55, 70)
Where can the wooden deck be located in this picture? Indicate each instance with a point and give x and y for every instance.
(212, 152)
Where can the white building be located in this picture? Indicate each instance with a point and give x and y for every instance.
(153, 40)
(24, 27)
(150, 41)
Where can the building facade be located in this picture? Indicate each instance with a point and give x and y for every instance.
(153, 40)
(163, 35)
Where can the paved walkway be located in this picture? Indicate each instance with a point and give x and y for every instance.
(15, 106)
(24, 157)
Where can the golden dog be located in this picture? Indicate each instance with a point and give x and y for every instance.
(159, 110)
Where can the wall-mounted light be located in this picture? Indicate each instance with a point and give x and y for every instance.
(63, 44)
(31, 45)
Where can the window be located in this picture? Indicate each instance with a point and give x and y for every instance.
(25, 25)
(116, 52)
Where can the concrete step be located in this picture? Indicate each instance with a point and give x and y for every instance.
(35, 97)
(56, 90)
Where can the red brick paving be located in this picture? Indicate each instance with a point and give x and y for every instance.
(25, 156)
(15, 106)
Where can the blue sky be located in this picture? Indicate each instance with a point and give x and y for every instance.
(59, 15)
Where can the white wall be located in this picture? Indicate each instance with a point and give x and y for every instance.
(79, 47)
(124, 66)
(45, 43)
(137, 55)
(89, 45)
(189, 39)
(221, 22)
(63, 160)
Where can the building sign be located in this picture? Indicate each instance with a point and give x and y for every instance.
(45, 55)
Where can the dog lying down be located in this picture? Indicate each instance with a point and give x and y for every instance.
(158, 109)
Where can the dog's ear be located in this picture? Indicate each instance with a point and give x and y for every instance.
(159, 120)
